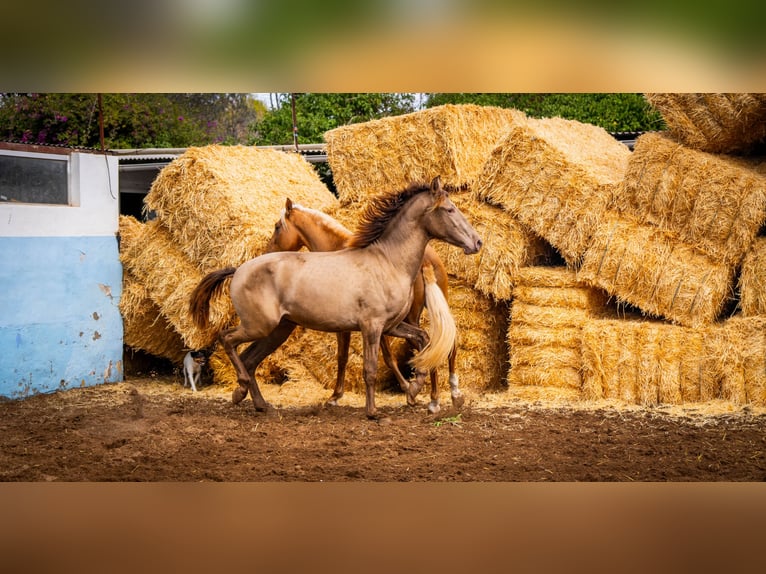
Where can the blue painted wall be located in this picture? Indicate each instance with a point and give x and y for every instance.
(60, 324)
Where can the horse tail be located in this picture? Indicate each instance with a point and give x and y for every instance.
(199, 302)
(442, 331)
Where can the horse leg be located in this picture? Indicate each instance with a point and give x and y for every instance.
(388, 358)
(344, 340)
(371, 342)
(433, 406)
(229, 340)
(418, 338)
(457, 397)
(259, 350)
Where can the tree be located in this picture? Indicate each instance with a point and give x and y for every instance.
(130, 120)
(317, 113)
(613, 112)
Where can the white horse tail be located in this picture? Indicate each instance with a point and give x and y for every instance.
(442, 331)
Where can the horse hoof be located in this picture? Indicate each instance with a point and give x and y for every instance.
(332, 402)
(458, 401)
(264, 408)
(238, 395)
(433, 408)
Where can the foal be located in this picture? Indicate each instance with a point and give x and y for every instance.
(300, 226)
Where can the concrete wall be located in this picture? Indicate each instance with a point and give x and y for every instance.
(61, 280)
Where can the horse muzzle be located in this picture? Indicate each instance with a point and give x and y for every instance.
(471, 249)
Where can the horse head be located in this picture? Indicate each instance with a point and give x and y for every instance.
(286, 236)
(443, 220)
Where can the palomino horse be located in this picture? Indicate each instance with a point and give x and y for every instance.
(366, 287)
(300, 226)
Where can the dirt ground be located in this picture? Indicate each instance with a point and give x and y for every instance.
(152, 429)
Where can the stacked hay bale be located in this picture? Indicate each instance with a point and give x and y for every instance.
(219, 203)
(169, 278)
(649, 268)
(683, 221)
(557, 177)
(549, 310)
(681, 224)
(717, 123)
(663, 229)
(714, 203)
(388, 154)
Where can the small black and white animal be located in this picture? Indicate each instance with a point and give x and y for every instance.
(193, 363)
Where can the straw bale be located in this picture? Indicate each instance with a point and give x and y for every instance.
(558, 287)
(387, 154)
(565, 378)
(525, 335)
(508, 245)
(556, 318)
(557, 177)
(646, 362)
(482, 323)
(145, 327)
(717, 123)
(647, 267)
(715, 203)
(752, 280)
(549, 309)
(220, 202)
(739, 351)
(169, 277)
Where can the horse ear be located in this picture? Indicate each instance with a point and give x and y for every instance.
(436, 184)
(288, 206)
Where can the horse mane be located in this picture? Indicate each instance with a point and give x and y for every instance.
(379, 213)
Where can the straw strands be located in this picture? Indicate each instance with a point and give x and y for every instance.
(718, 123)
(712, 202)
(145, 327)
(739, 353)
(649, 268)
(219, 203)
(143, 324)
(557, 177)
(386, 155)
(752, 280)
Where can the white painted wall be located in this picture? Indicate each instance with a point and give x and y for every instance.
(94, 182)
